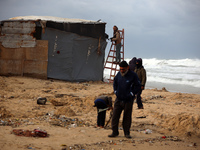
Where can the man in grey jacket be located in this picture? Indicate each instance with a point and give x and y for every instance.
(141, 72)
(117, 39)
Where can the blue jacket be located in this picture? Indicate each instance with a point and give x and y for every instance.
(125, 87)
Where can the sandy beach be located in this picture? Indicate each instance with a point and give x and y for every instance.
(168, 121)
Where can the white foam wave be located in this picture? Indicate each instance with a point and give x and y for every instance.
(180, 71)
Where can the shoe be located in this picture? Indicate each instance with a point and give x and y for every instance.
(128, 136)
(141, 107)
(112, 135)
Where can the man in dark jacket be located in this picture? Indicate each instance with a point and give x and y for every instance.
(102, 103)
(132, 64)
(126, 85)
(141, 72)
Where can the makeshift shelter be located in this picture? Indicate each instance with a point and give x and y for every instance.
(52, 47)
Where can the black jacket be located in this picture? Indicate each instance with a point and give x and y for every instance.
(125, 87)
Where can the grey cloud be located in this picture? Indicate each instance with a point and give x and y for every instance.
(159, 28)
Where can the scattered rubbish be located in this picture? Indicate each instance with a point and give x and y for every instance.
(171, 138)
(73, 125)
(141, 117)
(50, 114)
(178, 103)
(35, 133)
(164, 137)
(147, 131)
(151, 141)
(41, 133)
(10, 122)
(154, 97)
(49, 117)
(41, 101)
(11, 97)
(31, 148)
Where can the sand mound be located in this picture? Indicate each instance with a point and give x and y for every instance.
(185, 124)
(4, 113)
(181, 124)
(65, 110)
(178, 96)
(58, 102)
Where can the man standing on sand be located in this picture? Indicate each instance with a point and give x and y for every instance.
(126, 85)
(141, 72)
(117, 39)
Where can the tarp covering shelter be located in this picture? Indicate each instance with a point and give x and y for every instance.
(52, 47)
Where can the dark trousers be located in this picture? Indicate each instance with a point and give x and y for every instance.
(139, 101)
(119, 106)
(101, 115)
(118, 54)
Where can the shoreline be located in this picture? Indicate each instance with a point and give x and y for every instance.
(175, 88)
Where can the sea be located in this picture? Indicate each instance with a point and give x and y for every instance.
(175, 75)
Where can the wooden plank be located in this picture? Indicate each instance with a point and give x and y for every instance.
(40, 52)
(10, 67)
(25, 61)
(11, 53)
(35, 68)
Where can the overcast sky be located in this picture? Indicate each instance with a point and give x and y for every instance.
(164, 29)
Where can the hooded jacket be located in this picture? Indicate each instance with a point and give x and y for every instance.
(141, 72)
(104, 99)
(132, 64)
(125, 87)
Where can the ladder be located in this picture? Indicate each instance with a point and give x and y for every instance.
(109, 65)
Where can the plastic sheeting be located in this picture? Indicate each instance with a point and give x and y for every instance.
(73, 57)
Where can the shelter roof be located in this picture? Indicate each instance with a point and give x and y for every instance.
(56, 19)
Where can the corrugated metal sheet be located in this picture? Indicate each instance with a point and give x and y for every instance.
(18, 44)
(20, 24)
(19, 37)
(18, 34)
(14, 30)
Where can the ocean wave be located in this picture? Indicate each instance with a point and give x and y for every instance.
(171, 71)
(172, 62)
